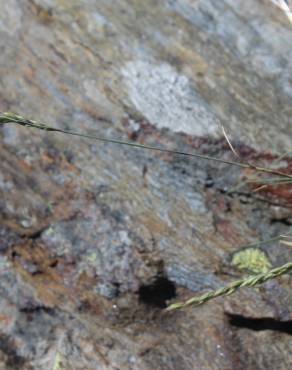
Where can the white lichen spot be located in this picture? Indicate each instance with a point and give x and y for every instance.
(124, 237)
(10, 17)
(168, 99)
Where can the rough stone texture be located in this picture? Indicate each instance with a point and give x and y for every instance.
(95, 238)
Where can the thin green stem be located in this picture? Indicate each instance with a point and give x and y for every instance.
(11, 117)
(251, 281)
(266, 241)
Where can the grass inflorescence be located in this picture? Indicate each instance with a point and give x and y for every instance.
(250, 281)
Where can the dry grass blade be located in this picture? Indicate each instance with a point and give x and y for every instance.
(283, 5)
(286, 243)
(229, 142)
(289, 243)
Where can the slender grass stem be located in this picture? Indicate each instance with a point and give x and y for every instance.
(8, 117)
(267, 241)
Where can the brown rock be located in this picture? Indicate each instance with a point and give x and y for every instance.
(96, 238)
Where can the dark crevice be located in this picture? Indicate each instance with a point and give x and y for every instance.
(54, 263)
(259, 324)
(157, 293)
(35, 309)
(35, 234)
(209, 182)
(287, 221)
(14, 255)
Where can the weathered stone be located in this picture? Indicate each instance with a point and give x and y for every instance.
(95, 238)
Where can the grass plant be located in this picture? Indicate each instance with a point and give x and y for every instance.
(280, 178)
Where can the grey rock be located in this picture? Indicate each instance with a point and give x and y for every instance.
(96, 238)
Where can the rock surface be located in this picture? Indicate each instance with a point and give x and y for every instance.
(95, 239)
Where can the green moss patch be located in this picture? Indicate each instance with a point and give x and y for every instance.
(251, 259)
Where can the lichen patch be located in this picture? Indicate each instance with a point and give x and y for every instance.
(253, 260)
(168, 99)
